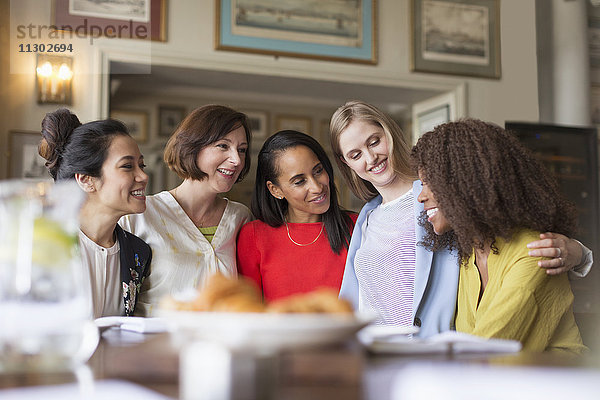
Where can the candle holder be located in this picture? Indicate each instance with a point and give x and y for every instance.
(54, 78)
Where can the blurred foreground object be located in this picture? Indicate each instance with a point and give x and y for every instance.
(44, 306)
(223, 294)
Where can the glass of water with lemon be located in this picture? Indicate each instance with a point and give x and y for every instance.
(45, 320)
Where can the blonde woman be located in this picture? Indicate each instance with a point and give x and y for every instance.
(386, 271)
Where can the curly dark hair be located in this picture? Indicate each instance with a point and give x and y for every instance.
(487, 185)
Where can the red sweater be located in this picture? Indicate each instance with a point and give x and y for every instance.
(281, 268)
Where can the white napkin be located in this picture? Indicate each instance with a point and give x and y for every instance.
(445, 342)
(135, 324)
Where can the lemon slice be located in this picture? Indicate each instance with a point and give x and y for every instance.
(52, 245)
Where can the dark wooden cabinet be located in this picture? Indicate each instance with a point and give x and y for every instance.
(571, 155)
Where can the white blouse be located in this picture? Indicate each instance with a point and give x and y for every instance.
(182, 258)
(102, 268)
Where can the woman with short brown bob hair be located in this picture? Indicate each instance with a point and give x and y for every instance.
(204, 125)
(191, 228)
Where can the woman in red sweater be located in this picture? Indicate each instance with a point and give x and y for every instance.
(300, 238)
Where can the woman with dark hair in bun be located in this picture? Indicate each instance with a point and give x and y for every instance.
(107, 165)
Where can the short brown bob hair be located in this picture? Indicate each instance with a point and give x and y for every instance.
(203, 126)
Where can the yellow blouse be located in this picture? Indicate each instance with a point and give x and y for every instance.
(520, 302)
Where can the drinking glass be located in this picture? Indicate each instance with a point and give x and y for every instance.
(45, 318)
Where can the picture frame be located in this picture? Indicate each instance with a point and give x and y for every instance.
(169, 118)
(293, 122)
(136, 122)
(146, 19)
(259, 124)
(432, 112)
(297, 28)
(440, 29)
(24, 161)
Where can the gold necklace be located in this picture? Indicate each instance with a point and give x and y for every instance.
(300, 244)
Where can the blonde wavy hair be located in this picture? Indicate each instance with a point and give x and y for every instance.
(399, 155)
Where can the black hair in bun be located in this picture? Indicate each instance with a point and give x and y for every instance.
(72, 148)
(56, 130)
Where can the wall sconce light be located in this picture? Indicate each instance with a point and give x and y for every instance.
(54, 76)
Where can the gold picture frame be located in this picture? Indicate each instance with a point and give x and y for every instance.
(293, 122)
(24, 161)
(145, 20)
(135, 121)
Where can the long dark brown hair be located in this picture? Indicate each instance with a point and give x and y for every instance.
(487, 185)
(266, 208)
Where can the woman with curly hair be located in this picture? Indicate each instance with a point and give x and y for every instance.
(487, 196)
(386, 271)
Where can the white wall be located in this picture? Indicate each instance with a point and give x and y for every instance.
(191, 39)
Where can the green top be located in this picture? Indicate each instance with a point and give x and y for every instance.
(520, 302)
(208, 232)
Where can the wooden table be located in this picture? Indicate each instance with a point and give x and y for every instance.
(339, 372)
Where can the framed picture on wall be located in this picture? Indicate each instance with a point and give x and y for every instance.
(293, 122)
(325, 29)
(459, 37)
(139, 19)
(24, 160)
(168, 119)
(259, 124)
(432, 112)
(135, 121)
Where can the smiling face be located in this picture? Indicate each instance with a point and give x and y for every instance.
(303, 182)
(364, 148)
(121, 188)
(223, 160)
(434, 214)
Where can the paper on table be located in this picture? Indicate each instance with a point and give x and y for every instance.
(445, 342)
(135, 324)
(108, 389)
